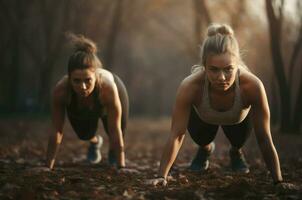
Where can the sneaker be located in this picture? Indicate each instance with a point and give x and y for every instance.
(238, 162)
(201, 160)
(94, 155)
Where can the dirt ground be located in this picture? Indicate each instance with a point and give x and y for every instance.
(23, 145)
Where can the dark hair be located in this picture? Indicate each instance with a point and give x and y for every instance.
(84, 55)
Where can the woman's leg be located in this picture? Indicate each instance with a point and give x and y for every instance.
(203, 134)
(125, 114)
(237, 135)
(86, 130)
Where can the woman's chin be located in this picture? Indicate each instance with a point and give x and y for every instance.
(222, 88)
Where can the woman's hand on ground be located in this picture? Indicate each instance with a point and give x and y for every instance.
(161, 181)
(283, 187)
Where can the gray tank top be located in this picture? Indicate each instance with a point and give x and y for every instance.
(236, 114)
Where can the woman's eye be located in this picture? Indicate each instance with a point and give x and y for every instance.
(88, 80)
(228, 70)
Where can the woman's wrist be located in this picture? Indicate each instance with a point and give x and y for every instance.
(50, 163)
(161, 176)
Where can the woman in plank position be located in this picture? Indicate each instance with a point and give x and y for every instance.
(89, 92)
(220, 92)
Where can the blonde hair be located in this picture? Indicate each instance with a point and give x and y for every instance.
(220, 39)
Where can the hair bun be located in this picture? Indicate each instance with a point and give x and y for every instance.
(222, 29)
(81, 43)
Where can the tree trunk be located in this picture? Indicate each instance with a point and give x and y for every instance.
(14, 70)
(278, 64)
(44, 92)
(113, 34)
(53, 47)
(285, 96)
(297, 118)
(202, 14)
(14, 77)
(275, 113)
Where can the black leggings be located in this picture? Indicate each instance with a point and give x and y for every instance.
(203, 133)
(86, 129)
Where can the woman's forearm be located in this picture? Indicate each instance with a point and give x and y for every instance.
(53, 146)
(271, 159)
(117, 142)
(169, 155)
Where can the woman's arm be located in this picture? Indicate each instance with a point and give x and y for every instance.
(261, 121)
(112, 103)
(55, 137)
(180, 120)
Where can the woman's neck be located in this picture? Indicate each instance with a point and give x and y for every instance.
(85, 101)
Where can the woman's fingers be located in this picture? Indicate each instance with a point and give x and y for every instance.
(37, 170)
(283, 187)
(157, 181)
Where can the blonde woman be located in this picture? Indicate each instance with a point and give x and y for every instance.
(221, 92)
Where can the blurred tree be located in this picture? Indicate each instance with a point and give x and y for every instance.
(202, 20)
(150, 44)
(13, 14)
(290, 114)
(54, 25)
(36, 37)
(114, 30)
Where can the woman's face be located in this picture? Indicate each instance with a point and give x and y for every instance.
(83, 81)
(221, 70)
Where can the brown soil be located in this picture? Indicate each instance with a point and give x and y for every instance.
(23, 145)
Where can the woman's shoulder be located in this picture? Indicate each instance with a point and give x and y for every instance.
(107, 85)
(60, 91)
(192, 85)
(249, 80)
(106, 79)
(104, 73)
(196, 79)
(250, 84)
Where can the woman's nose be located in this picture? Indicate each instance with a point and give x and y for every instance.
(221, 76)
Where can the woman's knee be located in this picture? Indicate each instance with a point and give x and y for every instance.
(237, 135)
